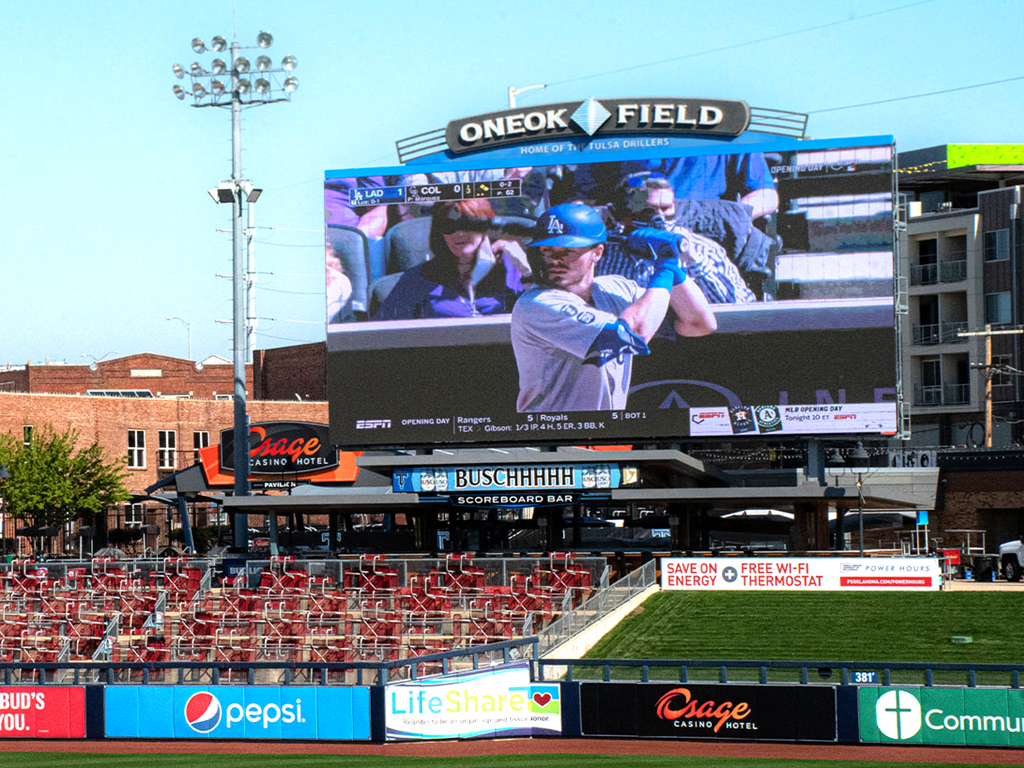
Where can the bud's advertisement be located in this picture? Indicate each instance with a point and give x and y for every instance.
(282, 448)
(225, 712)
(48, 713)
(694, 711)
(484, 704)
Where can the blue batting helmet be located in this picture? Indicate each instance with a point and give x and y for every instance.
(571, 225)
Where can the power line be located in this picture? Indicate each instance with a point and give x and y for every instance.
(919, 95)
(734, 46)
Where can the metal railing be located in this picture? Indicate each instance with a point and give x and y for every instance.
(949, 333)
(605, 600)
(956, 394)
(269, 672)
(925, 334)
(942, 394)
(924, 274)
(769, 672)
(953, 271)
(927, 394)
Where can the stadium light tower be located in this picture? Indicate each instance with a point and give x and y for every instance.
(230, 84)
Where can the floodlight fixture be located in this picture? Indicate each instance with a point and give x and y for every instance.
(179, 71)
(262, 86)
(218, 67)
(288, 63)
(219, 44)
(291, 83)
(179, 92)
(217, 87)
(264, 40)
(263, 63)
(251, 193)
(243, 87)
(223, 192)
(197, 69)
(241, 65)
(198, 45)
(198, 90)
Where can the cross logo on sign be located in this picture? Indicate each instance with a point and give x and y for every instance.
(555, 227)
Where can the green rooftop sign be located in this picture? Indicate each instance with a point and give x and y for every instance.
(960, 155)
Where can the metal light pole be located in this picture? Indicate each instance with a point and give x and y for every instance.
(859, 459)
(513, 92)
(188, 328)
(4, 474)
(208, 90)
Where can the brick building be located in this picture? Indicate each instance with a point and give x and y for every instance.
(156, 435)
(142, 375)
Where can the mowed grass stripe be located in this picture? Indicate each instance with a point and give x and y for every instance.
(821, 626)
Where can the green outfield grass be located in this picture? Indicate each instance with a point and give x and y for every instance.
(35, 760)
(819, 626)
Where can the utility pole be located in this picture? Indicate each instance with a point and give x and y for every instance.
(988, 333)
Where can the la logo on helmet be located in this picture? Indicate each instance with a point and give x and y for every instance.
(555, 227)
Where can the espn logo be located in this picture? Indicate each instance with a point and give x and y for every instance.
(373, 424)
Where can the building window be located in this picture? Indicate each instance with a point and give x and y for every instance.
(134, 515)
(997, 308)
(167, 451)
(26, 435)
(136, 449)
(199, 440)
(997, 245)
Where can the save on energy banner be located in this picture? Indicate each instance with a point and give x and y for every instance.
(490, 703)
(968, 716)
(855, 574)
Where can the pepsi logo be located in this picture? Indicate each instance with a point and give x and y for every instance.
(202, 712)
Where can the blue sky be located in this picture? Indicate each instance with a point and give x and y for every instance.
(106, 228)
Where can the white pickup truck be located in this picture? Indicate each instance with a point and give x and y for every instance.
(1011, 560)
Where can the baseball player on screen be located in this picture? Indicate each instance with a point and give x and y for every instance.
(574, 334)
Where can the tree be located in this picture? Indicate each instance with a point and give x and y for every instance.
(51, 483)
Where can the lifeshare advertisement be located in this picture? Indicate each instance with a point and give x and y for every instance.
(500, 701)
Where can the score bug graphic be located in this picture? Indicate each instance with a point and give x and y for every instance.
(203, 712)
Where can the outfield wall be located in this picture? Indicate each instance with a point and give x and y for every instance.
(503, 702)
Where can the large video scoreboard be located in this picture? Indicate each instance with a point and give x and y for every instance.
(419, 344)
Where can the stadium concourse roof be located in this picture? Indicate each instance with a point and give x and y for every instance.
(667, 476)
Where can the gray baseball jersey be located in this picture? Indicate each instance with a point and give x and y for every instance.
(552, 331)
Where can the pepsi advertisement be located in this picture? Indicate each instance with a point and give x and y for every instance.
(224, 712)
(605, 291)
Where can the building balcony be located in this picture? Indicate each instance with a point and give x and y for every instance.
(925, 334)
(952, 271)
(939, 333)
(949, 332)
(942, 394)
(956, 394)
(924, 274)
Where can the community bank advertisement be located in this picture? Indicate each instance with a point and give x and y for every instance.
(481, 704)
(801, 573)
(962, 716)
